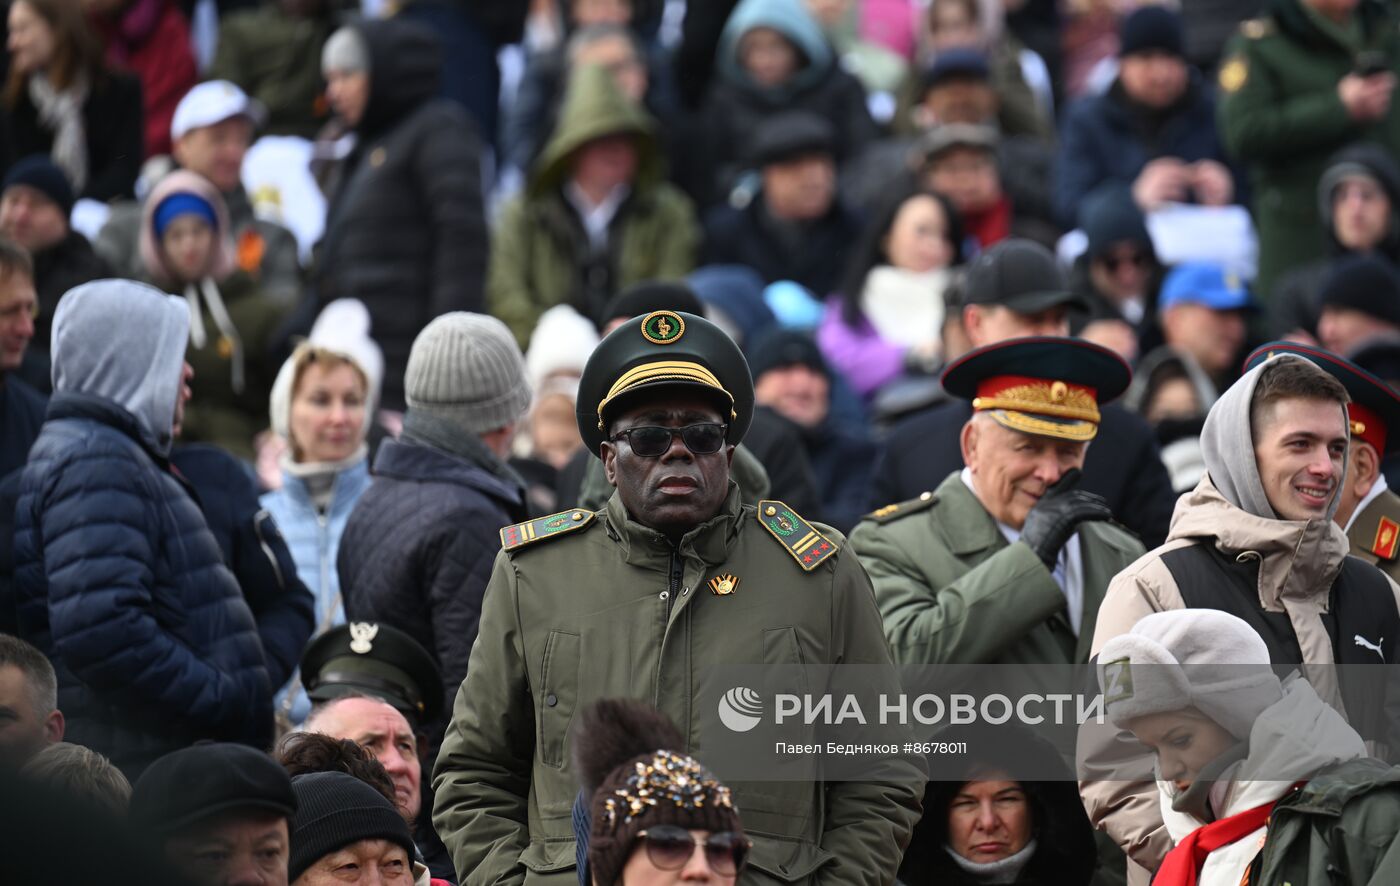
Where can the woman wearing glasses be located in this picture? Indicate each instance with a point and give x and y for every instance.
(654, 815)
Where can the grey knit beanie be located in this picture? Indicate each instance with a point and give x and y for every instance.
(467, 369)
(346, 51)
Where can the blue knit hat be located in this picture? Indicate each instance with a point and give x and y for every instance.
(183, 203)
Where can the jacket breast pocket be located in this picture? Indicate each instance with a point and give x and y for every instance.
(558, 695)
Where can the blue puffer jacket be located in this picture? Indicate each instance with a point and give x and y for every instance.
(314, 540)
(119, 581)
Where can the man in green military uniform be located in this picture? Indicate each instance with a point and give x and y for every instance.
(1296, 85)
(1006, 562)
(1368, 509)
(645, 599)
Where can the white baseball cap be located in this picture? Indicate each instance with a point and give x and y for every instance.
(213, 102)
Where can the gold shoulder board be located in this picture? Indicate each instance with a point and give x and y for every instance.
(808, 546)
(518, 535)
(890, 513)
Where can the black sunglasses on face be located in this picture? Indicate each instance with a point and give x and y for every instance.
(652, 442)
(669, 848)
(1112, 262)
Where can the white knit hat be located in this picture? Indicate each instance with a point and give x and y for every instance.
(560, 344)
(1189, 658)
(467, 369)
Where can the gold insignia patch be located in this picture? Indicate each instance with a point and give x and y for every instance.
(806, 545)
(724, 585)
(1233, 75)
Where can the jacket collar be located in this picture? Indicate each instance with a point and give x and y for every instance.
(349, 482)
(90, 407)
(974, 530)
(1299, 560)
(709, 543)
(405, 460)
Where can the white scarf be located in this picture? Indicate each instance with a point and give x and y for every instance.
(996, 872)
(62, 114)
(219, 314)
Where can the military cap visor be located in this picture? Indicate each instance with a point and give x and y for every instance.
(1046, 386)
(1374, 409)
(663, 350)
(364, 658)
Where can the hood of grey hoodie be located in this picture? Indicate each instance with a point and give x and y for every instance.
(125, 342)
(1229, 454)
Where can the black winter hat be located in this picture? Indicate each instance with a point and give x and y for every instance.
(203, 780)
(1151, 28)
(43, 175)
(652, 295)
(957, 62)
(335, 810)
(1364, 283)
(789, 135)
(1113, 217)
(786, 347)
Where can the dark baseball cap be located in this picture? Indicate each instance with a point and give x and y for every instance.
(1021, 275)
(198, 782)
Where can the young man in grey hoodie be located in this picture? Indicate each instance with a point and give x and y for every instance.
(117, 577)
(1256, 538)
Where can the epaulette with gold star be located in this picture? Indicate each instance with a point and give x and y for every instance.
(808, 546)
(519, 535)
(890, 513)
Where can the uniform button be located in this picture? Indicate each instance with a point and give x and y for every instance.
(685, 591)
(551, 699)
(926, 496)
(665, 595)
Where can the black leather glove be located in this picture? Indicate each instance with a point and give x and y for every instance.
(1058, 513)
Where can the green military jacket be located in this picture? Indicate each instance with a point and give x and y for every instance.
(952, 591)
(1281, 117)
(606, 608)
(1375, 534)
(1343, 826)
(276, 59)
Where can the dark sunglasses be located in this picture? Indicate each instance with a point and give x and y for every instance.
(669, 849)
(652, 442)
(1137, 260)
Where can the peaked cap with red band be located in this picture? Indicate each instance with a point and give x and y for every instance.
(1374, 409)
(1051, 387)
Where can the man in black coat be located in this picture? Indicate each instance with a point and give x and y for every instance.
(794, 227)
(1016, 289)
(406, 228)
(418, 548)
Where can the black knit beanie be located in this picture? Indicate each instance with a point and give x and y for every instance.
(1365, 283)
(335, 810)
(633, 791)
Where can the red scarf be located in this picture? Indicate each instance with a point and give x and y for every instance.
(991, 225)
(1182, 866)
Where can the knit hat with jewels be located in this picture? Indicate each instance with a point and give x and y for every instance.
(623, 752)
(466, 369)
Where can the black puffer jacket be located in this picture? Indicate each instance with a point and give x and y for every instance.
(418, 550)
(1065, 853)
(406, 231)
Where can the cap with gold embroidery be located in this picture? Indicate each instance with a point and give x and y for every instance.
(664, 349)
(1050, 387)
(1374, 409)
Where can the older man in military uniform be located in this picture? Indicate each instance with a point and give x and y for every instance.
(1368, 510)
(644, 599)
(1007, 560)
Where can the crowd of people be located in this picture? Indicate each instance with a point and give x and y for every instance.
(404, 409)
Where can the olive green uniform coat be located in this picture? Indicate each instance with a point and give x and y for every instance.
(952, 591)
(1375, 534)
(1281, 117)
(611, 609)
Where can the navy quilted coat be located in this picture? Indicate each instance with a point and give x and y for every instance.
(418, 550)
(119, 581)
